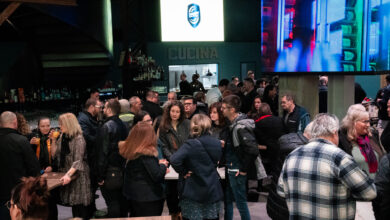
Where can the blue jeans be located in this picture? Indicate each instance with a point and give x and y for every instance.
(236, 191)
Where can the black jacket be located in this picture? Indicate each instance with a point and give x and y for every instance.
(273, 104)
(173, 139)
(45, 159)
(385, 138)
(381, 204)
(197, 86)
(185, 88)
(276, 205)
(143, 179)
(89, 126)
(152, 108)
(297, 120)
(17, 160)
(201, 158)
(248, 101)
(197, 111)
(112, 131)
(268, 129)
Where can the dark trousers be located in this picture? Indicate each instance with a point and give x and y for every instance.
(94, 187)
(4, 212)
(116, 202)
(172, 197)
(143, 209)
(53, 200)
(80, 211)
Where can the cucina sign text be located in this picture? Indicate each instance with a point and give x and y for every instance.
(192, 53)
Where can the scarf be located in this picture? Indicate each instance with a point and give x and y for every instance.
(368, 153)
(44, 139)
(262, 117)
(65, 150)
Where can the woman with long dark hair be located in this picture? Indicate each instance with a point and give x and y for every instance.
(23, 126)
(144, 173)
(270, 96)
(254, 112)
(218, 121)
(174, 130)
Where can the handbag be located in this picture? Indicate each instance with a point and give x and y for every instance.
(114, 178)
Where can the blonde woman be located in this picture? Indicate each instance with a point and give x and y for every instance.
(70, 152)
(357, 138)
(196, 161)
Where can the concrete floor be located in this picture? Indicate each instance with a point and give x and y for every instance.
(257, 210)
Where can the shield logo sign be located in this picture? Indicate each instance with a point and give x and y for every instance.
(193, 15)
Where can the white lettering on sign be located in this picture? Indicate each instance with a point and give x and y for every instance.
(191, 53)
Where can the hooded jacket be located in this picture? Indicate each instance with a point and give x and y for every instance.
(243, 144)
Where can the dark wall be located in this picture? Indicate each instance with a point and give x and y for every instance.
(241, 18)
(88, 17)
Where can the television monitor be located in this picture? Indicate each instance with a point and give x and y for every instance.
(195, 20)
(346, 36)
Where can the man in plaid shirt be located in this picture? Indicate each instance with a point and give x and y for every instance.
(321, 181)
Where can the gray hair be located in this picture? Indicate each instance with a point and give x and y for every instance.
(125, 105)
(355, 113)
(324, 125)
(133, 100)
(307, 131)
(7, 119)
(174, 93)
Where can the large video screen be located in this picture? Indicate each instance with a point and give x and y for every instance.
(325, 35)
(195, 20)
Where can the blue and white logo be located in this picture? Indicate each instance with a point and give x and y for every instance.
(193, 15)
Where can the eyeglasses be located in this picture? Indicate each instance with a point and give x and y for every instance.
(9, 204)
(188, 103)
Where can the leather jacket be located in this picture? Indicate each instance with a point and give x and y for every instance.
(112, 131)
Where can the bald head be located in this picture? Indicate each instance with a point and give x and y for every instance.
(8, 120)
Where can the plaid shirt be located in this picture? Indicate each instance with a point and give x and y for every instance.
(321, 181)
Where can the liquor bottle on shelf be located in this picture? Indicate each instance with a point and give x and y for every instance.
(130, 57)
(6, 97)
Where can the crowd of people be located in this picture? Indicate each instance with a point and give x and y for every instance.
(311, 169)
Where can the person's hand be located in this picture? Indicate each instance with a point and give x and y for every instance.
(240, 173)
(101, 183)
(48, 169)
(34, 140)
(65, 179)
(222, 143)
(163, 161)
(188, 175)
(262, 147)
(51, 136)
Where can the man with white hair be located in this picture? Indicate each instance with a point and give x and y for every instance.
(321, 181)
(17, 159)
(172, 96)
